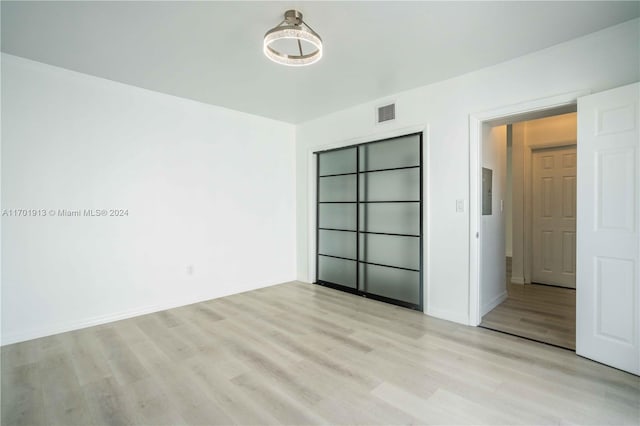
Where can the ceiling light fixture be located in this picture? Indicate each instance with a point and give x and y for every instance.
(292, 33)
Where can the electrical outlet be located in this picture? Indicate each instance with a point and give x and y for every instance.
(459, 206)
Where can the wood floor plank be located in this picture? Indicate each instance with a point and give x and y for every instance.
(108, 404)
(90, 363)
(167, 338)
(303, 354)
(540, 312)
(418, 407)
(283, 408)
(348, 407)
(64, 401)
(25, 353)
(125, 366)
(238, 406)
(67, 408)
(22, 398)
(178, 383)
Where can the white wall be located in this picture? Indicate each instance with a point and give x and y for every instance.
(210, 194)
(492, 266)
(599, 61)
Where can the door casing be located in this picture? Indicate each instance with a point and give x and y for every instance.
(529, 110)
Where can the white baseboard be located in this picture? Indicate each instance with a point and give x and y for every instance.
(517, 280)
(63, 327)
(458, 317)
(493, 303)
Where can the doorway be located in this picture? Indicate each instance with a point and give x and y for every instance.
(533, 163)
(607, 235)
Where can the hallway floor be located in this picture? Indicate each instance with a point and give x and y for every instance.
(539, 312)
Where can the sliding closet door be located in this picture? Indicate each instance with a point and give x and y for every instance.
(390, 219)
(337, 217)
(370, 219)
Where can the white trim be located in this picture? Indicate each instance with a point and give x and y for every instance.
(370, 137)
(63, 327)
(453, 316)
(493, 303)
(311, 208)
(551, 145)
(426, 219)
(517, 280)
(476, 120)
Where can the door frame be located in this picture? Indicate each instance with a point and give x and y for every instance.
(528, 110)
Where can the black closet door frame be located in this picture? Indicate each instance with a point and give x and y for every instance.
(357, 290)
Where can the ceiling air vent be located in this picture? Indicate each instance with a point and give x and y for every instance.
(386, 113)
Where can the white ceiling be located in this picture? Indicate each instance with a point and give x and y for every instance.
(212, 51)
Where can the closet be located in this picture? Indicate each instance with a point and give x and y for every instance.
(369, 219)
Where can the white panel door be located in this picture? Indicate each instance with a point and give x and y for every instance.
(608, 243)
(554, 216)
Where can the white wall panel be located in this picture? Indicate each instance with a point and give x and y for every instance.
(209, 192)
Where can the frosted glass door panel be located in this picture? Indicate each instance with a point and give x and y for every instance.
(337, 271)
(337, 243)
(338, 188)
(337, 162)
(390, 185)
(392, 283)
(399, 152)
(403, 252)
(390, 218)
(337, 216)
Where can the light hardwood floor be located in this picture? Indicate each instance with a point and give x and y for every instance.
(539, 312)
(303, 354)
(543, 313)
